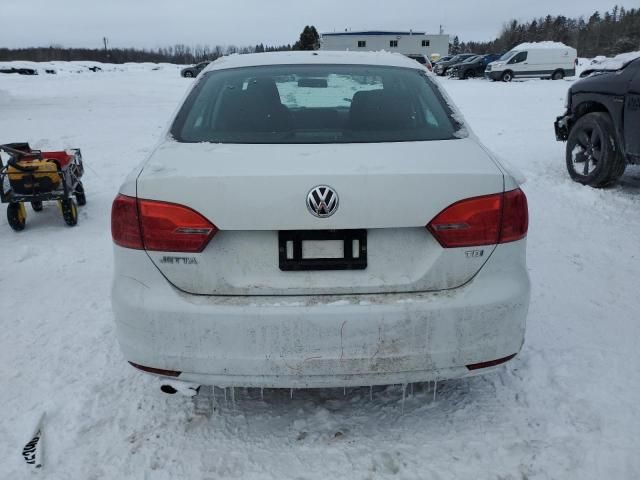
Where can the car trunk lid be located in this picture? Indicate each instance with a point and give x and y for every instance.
(253, 192)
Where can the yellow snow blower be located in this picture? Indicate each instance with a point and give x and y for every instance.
(35, 176)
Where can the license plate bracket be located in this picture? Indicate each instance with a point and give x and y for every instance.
(291, 251)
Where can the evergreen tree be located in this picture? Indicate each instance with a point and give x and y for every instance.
(455, 46)
(607, 33)
(309, 39)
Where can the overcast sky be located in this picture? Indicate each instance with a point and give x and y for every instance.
(154, 23)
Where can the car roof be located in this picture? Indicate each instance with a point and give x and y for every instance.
(317, 57)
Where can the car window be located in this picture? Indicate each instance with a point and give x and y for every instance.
(314, 104)
(519, 58)
(507, 56)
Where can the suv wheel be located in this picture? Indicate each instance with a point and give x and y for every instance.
(593, 156)
(188, 75)
(507, 76)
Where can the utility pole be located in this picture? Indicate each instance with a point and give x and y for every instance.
(105, 40)
(441, 30)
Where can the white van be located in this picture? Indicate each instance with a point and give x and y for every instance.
(534, 60)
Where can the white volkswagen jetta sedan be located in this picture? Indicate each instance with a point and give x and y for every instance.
(317, 219)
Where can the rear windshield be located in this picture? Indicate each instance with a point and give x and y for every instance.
(314, 104)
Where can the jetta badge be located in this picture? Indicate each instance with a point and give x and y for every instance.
(322, 201)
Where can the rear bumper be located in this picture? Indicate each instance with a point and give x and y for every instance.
(321, 341)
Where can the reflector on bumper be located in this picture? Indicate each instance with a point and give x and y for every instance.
(490, 363)
(157, 371)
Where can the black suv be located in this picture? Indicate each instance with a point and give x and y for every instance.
(442, 66)
(472, 67)
(601, 125)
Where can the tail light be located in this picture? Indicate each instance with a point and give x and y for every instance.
(515, 216)
(125, 226)
(486, 220)
(159, 226)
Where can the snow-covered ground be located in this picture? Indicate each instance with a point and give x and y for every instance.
(567, 407)
(79, 67)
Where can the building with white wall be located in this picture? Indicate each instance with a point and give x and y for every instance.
(402, 42)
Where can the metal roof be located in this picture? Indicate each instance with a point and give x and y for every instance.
(370, 33)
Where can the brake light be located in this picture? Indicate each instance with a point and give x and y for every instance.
(168, 227)
(515, 216)
(159, 226)
(486, 220)
(125, 226)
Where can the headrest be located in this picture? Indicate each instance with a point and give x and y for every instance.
(381, 110)
(265, 88)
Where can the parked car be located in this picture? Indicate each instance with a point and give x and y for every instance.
(289, 231)
(601, 125)
(442, 59)
(422, 60)
(472, 67)
(443, 65)
(19, 70)
(194, 70)
(534, 60)
(450, 70)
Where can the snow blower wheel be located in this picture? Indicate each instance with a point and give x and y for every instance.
(69, 211)
(80, 196)
(37, 206)
(16, 216)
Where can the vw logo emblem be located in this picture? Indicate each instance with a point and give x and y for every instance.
(322, 201)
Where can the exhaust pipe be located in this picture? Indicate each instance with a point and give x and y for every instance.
(171, 387)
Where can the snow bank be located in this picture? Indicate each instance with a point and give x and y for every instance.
(75, 67)
(615, 63)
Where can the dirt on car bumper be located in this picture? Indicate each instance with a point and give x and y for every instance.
(324, 341)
